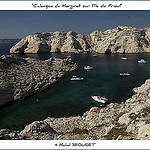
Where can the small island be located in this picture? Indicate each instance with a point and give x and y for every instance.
(121, 39)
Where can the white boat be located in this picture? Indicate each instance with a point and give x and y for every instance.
(75, 78)
(142, 61)
(123, 58)
(87, 67)
(125, 74)
(100, 99)
(95, 55)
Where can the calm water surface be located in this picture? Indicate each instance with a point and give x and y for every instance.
(4, 47)
(68, 98)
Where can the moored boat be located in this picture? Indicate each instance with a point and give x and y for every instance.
(75, 78)
(87, 67)
(124, 58)
(142, 61)
(94, 55)
(125, 74)
(100, 99)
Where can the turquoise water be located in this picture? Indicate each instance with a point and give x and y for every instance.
(70, 98)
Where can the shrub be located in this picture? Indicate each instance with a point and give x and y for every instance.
(80, 131)
(115, 132)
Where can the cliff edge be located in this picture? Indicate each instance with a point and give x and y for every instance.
(118, 40)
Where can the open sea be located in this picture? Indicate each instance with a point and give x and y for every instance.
(71, 98)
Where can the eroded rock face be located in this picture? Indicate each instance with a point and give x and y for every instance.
(21, 77)
(119, 40)
(6, 134)
(62, 41)
(38, 130)
(129, 120)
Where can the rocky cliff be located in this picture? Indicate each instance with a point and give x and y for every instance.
(125, 121)
(119, 40)
(21, 77)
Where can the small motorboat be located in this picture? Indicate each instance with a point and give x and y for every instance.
(75, 78)
(142, 61)
(125, 74)
(87, 67)
(100, 99)
(123, 58)
(94, 55)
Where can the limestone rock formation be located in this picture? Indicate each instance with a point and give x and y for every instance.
(119, 40)
(38, 130)
(129, 120)
(21, 77)
(62, 41)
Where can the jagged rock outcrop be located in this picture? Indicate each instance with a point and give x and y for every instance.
(62, 41)
(125, 121)
(21, 77)
(119, 40)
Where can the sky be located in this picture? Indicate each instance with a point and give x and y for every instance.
(18, 24)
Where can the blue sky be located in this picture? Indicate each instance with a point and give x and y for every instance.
(18, 24)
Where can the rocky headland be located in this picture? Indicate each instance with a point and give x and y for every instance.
(129, 120)
(22, 77)
(121, 39)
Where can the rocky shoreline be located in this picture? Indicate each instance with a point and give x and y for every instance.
(22, 77)
(121, 39)
(129, 120)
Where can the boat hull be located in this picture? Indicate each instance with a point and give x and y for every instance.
(101, 100)
(76, 79)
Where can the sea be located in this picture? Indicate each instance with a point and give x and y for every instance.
(70, 98)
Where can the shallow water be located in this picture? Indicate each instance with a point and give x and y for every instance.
(70, 98)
